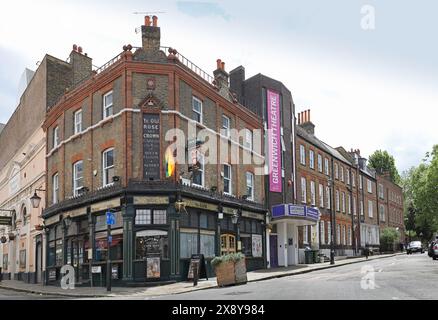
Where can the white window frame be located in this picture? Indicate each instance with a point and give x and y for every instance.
(337, 201)
(303, 190)
(56, 137)
(382, 212)
(249, 139)
(55, 188)
(199, 112)
(369, 186)
(353, 180)
(326, 167)
(106, 106)
(354, 205)
(349, 204)
(250, 174)
(370, 209)
(76, 187)
(319, 163)
(342, 173)
(350, 239)
(328, 196)
(344, 234)
(360, 182)
(321, 195)
(77, 121)
(329, 232)
(106, 168)
(229, 179)
(338, 234)
(201, 159)
(336, 171)
(313, 193)
(303, 155)
(343, 202)
(348, 176)
(311, 159)
(361, 208)
(227, 128)
(381, 191)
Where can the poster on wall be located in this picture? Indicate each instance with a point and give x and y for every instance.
(257, 251)
(274, 141)
(153, 268)
(151, 146)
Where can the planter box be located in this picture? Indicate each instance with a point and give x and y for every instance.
(230, 273)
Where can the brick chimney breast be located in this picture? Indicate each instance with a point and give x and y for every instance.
(222, 79)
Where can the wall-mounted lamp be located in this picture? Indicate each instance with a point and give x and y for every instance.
(35, 199)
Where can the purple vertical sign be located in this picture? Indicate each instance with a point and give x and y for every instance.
(274, 143)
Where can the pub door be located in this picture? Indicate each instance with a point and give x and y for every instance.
(228, 244)
(153, 245)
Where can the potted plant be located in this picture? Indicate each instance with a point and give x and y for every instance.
(230, 269)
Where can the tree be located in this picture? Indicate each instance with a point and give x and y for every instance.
(383, 162)
(387, 239)
(420, 187)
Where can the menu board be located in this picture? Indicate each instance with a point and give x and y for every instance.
(151, 146)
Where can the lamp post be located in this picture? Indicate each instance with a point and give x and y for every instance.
(235, 221)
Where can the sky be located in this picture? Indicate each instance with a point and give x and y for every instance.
(367, 89)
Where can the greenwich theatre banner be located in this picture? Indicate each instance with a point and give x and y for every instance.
(274, 142)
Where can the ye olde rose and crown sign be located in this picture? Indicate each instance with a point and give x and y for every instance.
(274, 143)
(151, 146)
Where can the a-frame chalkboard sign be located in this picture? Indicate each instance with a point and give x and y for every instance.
(197, 261)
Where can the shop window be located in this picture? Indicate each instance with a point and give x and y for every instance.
(59, 260)
(194, 222)
(203, 221)
(246, 245)
(188, 244)
(116, 246)
(207, 245)
(151, 243)
(52, 254)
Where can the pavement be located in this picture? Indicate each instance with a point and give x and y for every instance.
(175, 288)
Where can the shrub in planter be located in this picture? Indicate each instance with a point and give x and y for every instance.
(230, 269)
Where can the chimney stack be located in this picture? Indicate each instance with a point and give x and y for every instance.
(82, 65)
(151, 35)
(237, 78)
(305, 123)
(220, 75)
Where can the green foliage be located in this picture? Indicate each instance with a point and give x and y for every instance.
(389, 236)
(383, 162)
(420, 188)
(231, 257)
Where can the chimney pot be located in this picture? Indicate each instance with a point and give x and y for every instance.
(155, 21)
(80, 49)
(308, 115)
(305, 116)
(218, 61)
(75, 47)
(223, 66)
(147, 21)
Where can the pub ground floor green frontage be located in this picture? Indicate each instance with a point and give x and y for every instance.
(157, 228)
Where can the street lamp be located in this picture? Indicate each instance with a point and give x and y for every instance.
(35, 199)
(235, 218)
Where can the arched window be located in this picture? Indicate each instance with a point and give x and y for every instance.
(24, 215)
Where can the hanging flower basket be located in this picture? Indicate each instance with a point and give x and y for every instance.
(3, 239)
(11, 236)
(230, 269)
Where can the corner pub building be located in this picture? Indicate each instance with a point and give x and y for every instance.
(106, 150)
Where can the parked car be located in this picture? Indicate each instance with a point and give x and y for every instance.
(414, 246)
(433, 250)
